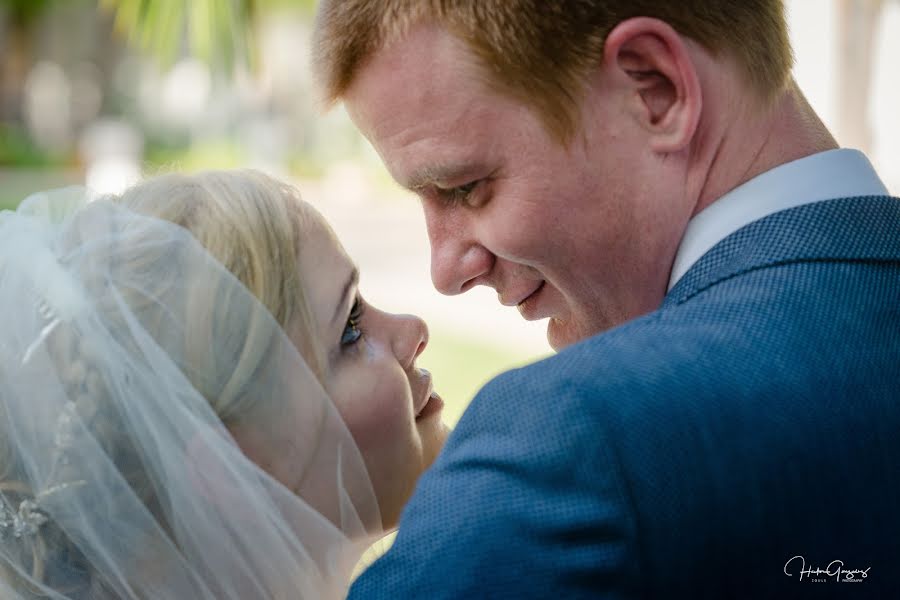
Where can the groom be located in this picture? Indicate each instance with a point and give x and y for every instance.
(721, 281)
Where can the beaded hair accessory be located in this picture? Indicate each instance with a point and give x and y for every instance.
(20, 523)
(26, 520)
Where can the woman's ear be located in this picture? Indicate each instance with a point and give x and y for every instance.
(653, 65)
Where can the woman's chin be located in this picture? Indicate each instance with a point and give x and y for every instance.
(434, 433)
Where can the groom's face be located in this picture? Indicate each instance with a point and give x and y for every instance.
(565, 232)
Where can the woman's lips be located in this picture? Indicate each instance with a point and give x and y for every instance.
(432, 406)
(431, 402)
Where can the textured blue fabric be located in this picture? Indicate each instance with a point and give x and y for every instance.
(690, 453)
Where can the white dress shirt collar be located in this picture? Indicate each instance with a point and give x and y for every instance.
(832, 174)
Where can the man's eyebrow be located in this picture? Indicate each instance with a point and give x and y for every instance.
(342, 301)
(438, 175)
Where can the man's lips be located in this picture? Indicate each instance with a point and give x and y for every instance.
(508, 299)
(527, 306)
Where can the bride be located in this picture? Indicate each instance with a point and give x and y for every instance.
(195, 401)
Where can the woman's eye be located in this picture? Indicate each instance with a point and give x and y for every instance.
(352, 333)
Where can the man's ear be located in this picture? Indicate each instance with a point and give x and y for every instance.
(654, 66)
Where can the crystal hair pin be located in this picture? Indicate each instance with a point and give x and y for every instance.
(28, 519)
(64, 436)
(24, 522)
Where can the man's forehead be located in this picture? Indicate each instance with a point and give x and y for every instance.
(428, 113)
(427, 71)
(434, 154)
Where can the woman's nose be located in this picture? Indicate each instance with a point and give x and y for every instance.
(410, 339)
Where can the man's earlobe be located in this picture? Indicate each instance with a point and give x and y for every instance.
(663, 82)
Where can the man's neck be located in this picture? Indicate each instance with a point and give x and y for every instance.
(752, 141)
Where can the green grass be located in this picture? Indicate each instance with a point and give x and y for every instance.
(17, 150)
(461, 366)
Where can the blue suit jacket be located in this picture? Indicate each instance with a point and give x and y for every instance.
(753, 418)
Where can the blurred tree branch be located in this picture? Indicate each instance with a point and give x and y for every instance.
(220, 32)
(16, 52)
(24, 12)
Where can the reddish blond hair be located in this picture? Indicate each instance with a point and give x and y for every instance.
(540, 51)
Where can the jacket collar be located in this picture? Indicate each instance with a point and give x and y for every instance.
(845, 229)
(840, 173)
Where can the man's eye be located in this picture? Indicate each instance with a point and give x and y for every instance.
(352, 332)
(461, 194)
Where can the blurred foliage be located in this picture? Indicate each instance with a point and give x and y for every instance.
(23, 12)
(222, 154)
(306, 165)
(208, 154)
(220, 32)
(18, 150)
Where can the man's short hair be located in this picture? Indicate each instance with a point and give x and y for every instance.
(540, 51)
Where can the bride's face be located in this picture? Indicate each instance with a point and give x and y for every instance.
(371, 374)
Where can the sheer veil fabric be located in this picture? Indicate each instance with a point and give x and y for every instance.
(125, 352)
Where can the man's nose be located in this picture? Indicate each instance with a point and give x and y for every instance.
(458, 261)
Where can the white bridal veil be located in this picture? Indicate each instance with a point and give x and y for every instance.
(118, 479)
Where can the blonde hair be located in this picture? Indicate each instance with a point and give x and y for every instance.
(540, 51)
(253, 225)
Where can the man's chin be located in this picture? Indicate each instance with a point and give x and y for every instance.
(560, 334)
(563, 333)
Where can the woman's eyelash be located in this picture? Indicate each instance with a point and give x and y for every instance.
(352, 332)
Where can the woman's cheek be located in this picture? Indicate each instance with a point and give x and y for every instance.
(380, 410)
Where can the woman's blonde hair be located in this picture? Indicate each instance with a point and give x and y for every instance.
(540, 51)
(253, 225)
